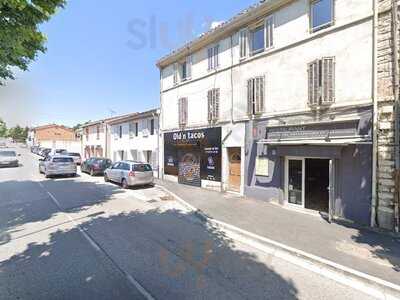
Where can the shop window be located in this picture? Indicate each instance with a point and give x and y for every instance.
(213, 105)
(321, 82)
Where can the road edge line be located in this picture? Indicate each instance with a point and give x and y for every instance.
(363, 282)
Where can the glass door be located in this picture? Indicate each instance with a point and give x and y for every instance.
(295, 181)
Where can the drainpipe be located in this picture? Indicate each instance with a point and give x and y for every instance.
(396, 109)
(232, 79)
(374, 202)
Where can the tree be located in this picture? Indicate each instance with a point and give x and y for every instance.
(20, 38)
(3, 128)
(18, 133)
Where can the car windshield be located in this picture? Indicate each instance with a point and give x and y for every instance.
(74, 154)
(8, 154)
(142, 168)
(62, 159)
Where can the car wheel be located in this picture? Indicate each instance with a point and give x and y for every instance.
(106, 178)
(124, 184)
(91, 172)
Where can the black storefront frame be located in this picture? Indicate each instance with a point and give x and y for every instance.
(194, 155)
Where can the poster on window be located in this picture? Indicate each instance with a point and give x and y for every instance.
(205, 147)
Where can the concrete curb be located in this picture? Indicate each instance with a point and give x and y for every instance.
(365, 283)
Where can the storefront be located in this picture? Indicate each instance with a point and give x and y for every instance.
(193, 156)
(325, 167)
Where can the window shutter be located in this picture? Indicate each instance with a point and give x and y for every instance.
(328, 80)
(210, 105)
(313, 83)
(189, 67)
(250, 96)
(269, 32)
(216, 56)
(210, 58)
(175, 73)
(261, 94)
(216, 105)
(243, 38)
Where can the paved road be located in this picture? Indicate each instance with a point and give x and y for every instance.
(80, 238)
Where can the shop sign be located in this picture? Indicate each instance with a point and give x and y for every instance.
(313, 131)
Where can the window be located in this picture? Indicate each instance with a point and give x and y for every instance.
(131, 130)
(321, 82)
(243, 43)
(120, 132)
(98, 132)
(257, 40)
(321, 14)
(183, 107)
(213, 105)
(255, 95)
(213, 57)
(87, 133)
(152, 127)
(269, 32)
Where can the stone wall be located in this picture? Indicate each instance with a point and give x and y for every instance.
(385, 126)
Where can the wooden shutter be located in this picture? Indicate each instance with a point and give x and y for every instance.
(216, 56)
(175, 73)
(259, 99)
(250, 96)
(243, 43)
(216, 105)
(313, 83)
(328, 80)
(210, 105)
(189, 67)
(269, 32)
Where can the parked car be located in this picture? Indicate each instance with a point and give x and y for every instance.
(44, 152)
(3, 144)
(8, 158)
(57, 165)
(95, 165)
(76, 156)
(129, 173)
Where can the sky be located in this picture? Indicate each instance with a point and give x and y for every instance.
(101, 57)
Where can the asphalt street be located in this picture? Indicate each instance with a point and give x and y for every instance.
(81, 238)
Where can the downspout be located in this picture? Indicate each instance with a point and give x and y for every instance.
(232, 79)
(374, 202)
(396, 110)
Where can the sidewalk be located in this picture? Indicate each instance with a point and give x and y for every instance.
(345, 244)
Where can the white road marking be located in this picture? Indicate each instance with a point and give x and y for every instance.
(93, 243)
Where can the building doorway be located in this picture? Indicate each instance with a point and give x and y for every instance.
(235, 166)
(308, 183)
(317, 185)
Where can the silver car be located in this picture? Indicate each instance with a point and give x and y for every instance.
(57, 165)
(76, 156)
(129, 173)
(8, 158)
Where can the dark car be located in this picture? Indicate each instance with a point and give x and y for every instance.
(95, 165)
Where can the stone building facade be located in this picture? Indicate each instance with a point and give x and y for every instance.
(387, 92)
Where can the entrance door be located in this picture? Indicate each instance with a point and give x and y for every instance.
(235, 163)
(317, 184)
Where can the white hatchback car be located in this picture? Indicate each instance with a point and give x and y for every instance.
(129, 173)
(57, 165)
